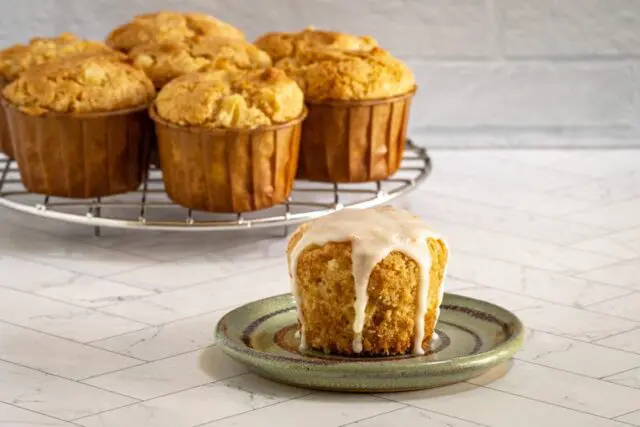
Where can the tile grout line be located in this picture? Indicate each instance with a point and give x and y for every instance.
(37, 412)
(147, 362)
(161, 325)
(409, 405)
(69, 379)
(574, 373)
(404, 406)
(625, 414)
(616, 334)
(92, 309)
(143, 401)
(549, 302)
(193, 285)
(604, 378)
(88, 344)
(155, 292)
(254, 409)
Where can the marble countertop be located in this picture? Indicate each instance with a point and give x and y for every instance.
(117, 331)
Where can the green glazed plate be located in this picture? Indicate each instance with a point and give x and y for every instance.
(473, 336)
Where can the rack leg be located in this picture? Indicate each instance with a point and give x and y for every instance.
(98, 209)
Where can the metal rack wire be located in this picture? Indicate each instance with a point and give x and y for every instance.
(149, 208)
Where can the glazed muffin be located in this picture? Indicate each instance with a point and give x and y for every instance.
(367, 282)
(79, 126)
(165, 61)
(16, 59)
(229, 139)
(169, 27)
(358, 112)
(282, 45)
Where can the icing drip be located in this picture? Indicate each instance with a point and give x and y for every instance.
(374, 234)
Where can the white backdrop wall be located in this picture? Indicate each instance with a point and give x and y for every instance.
(516, 73)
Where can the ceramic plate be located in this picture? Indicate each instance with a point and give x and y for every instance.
(473, 336)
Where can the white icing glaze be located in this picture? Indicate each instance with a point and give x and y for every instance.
(374, 234)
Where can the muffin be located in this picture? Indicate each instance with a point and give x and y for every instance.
(229, 139)
(367, 282)
(358, 111)
(16, 59)
(165, 61)
(79, 126)
(169, 27)
(283, 45)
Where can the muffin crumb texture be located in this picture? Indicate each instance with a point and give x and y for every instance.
(329, 74)
(327, 292)
(282, 45)
(165, 61)
(81, 84)
(169, 27)
(357, 289)
(231, 99)
(18, 58)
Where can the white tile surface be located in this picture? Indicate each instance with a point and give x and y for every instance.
(55, 396)
(89, 291)
(11, 416)
(170, 375)
(31, 276)
(630, 378)
(574, 323)
(61, 319)
(533, 282)
(567, 390)
(166, 340)
(625, 273)
(627, 307)
(562, 353)
(495, 408)
(117, 331)
(628, 341)
(632, 418)
(624, 244)
(205, 298)
(199, 405)
(315, 410)
(56, 355)
(412, 416)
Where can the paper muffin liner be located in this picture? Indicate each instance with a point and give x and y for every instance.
(5, 139)
(228, 170)
(80, 155)
(354, 141)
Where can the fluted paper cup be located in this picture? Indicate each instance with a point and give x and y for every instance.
(80, 155)
(228, 170)
(5, 139)
(354, 141)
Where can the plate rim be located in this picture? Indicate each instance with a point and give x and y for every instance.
(491, 357)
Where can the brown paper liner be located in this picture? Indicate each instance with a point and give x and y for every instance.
(5, 139)
(354, 141)
(80, 155)
(228, 170)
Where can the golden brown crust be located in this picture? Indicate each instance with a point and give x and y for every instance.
(281, 45)
(18, 58)
(165, 61)
(168, 26)
(326, 295)
(81, 84)
(231, 99)
(326, 74)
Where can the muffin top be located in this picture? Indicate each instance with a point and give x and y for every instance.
(18, 58)
(165, 61)
(231, 99)
(169, 27)
(80, 84)
(329, 74)
(282, 45)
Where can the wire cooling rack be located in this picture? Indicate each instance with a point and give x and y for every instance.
(149, 208)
